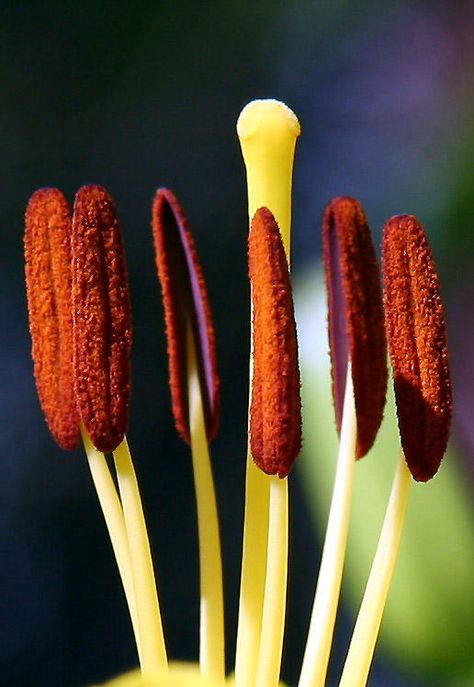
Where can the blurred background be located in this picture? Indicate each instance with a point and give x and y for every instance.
(138, 95)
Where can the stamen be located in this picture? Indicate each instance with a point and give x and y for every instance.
(359, 373)
(48, 286)
(194, 387)
(185, 301)
(275, 412)
(355, 319)
(102, 318)
(417, 342)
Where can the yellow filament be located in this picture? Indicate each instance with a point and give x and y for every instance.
(254, 566)
(153, 650)
(274, 609)
(323, 617)
(114, 520)
(361, 650)
(211, 650)
(267, 130)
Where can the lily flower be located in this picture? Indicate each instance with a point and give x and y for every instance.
(80, 323)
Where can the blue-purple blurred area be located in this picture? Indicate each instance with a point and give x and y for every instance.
(139, 95)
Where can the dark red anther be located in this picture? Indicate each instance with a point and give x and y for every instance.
(102, 318)
(48, 285)
(417, 343)
(275, 412)
(355, 319)
(186, 304)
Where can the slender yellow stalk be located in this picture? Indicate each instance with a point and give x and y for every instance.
(254, 565)
(274, 608)
(211, 650)
(114, 520)
(267, 130)
(361, 650)
(153, 650)
(323, 617)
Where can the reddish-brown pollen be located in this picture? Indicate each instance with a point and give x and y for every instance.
(186, 304)
(102, 318)
(355, 316)
(48, 284)
(417, 344)
(275, 412)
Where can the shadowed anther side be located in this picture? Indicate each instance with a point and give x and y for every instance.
(102, 318)
(185, 303)
(275, 412)
(355, 316)
(48, 283)
(417, 343)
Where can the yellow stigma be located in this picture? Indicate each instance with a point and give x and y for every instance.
(268, 130)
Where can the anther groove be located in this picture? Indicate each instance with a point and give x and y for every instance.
(185, 303)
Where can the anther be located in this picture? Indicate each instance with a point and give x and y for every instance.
(417, 344)
(102, 318)
(48, 284)
(186, 304)
(355, 320)
(275, 413)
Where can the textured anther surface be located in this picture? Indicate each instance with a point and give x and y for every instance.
(102, 318)
(275, 413)
(48, 283)
(417, 343)
(355, 316)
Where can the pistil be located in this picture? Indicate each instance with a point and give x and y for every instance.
(267, 130)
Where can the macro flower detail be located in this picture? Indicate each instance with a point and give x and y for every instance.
(48, 283)
(101, 318)
(275, 412)
(80, 321)
(186, 304)
(355, 316)
(417, 343)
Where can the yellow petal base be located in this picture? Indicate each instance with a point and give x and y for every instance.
(178, 675)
